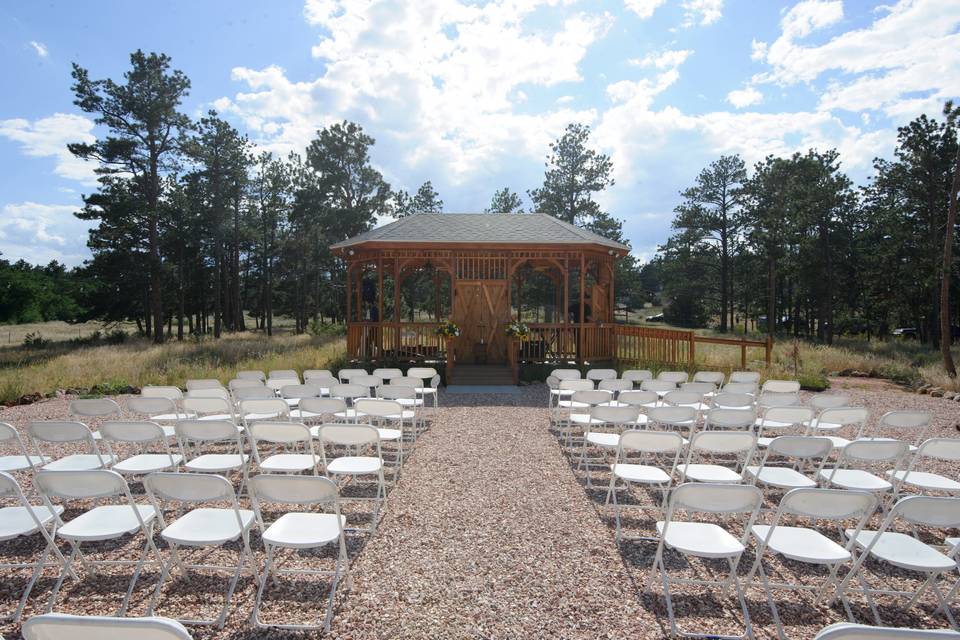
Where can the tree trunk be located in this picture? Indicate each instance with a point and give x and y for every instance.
(771, 296)
(946, 334)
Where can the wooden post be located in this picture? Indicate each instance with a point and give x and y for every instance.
(396, 307)
(349, 293)
(449, 371)
(379, 328)
(513, 344)
(692, 356)
(743, 353)
(769, 349)
(583, 283)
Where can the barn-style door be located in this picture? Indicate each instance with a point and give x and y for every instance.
(482, 310)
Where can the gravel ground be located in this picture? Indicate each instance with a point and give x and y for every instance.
(489, 533)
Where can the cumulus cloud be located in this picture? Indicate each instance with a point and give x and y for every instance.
(745, 97)
(48, 138)
(39, 233)
(701, 12)
(643, 8)
(663, 60)
(39, 48)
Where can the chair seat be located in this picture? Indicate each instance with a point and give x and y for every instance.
(904, 551)
(607, 440)
(216, 462)
(288, 463)
(349, 414)
(106, 522)
(269, 415)
(410, 402)
(304, 530)
(16, 521)
(772, 424)
(561, 392)
(570, 404)
(709, 473)
(583, 418)
(80, 462)
(172, 417)
(780, 477)
(854, 479)
(303, 414)
(925, 480)
(426, 390)
(764, 441)
(642, 473)
(701, 539)
(207, 527)
(147, 463)
(19, 463)
(389, 434)
(354, 465)
(800, 544)
(292, 402)
(217, 416)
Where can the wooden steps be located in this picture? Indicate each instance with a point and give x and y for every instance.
(481, 374)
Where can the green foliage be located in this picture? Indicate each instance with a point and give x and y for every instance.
(31, 293)
(505, 201)
(319, 329)
(813, 382)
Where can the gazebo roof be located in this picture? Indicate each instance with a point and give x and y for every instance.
(479, 228)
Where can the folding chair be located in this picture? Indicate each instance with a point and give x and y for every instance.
(245, 383)
(939, 449)
(63, 432)
(213, 392)
(322, 383)
(252, 375)
(690, 399)
(782, 419)
(906, 551)
(780, 386)
(143, 435)
(292, 394)
(660, 387)
(388, 416)
(293, 437)
(349, 393)
(642, 400)
(730, 400)
(851, 631)
(796, 458)
(20, 521)
(598, 375)
(203, 383)
(371, 383)
(60, 626)
(835, 419)
(749, 377)
(723, 418)
(581, 402)
(614, 386)
(706, 540)
(275, 384)
(387, 374)
(646, 444)
(738, 446)
(157, 410)
(603, 431)
(344, 375)
(426, 388)
(749, 388)
(563, 399)
(215, 409)
(769, 399)
(672, 418)
(23, 459)
(297, 531)
(310, 374)
(284, 374)
(199, 436)
(407, 397)
(716, 378)
(808, 545)
(706, 389)
(258, 392)
(912, 423)
(201, 527)
(359, 437)
(162, 391)
(820, 401)
(676, 377)
(103, 522)
(637, 375)
(263, 409)
(85, 408)
(846, 474)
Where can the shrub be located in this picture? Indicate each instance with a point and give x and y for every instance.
(319, 329)
(34, 340)
(813, 382)
(117, 336)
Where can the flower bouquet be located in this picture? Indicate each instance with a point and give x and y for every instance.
(517, 330)
(448, 330)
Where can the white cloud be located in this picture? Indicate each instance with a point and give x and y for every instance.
(745, 97)
(48, 137)
(758, 50)
(663, 60)
(643, 8)
(40, 49)
(702, 12)
(39, 233)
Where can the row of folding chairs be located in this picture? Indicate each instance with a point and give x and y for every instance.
(796, 533)
(66, 627)
(717, 378)
(192, 512)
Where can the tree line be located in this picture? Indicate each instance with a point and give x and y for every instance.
(792, 245)
(199, 232)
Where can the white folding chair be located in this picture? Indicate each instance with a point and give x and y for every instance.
(748, 377)
(642, 400)
(361, 438)
(852, 469)
(318, 409)
(213, 392)
(292, 394)
(322, 383)
(808, 545)
(22, 459)
(293, 438)
(199, 437)
(245, 383)
(676, 377)
(672, 418)
(199, 528)
(770, 399)
(344, 375)
(782, 419)
(263, 409)
(660, 387)
(350, 393)
(614, 385)
(912, 424)
(309, 374)
(21, 520)
(789, 461)
(284, 374)
(706, 389)
(215, 409)
(86, 408)
(716, 378)
(63, 432)
(820, 401)
(851, 631)
(430, 382)
(780, 386)
(637, 375)
(650, 446)
(597, 375)
(833, 420)
(298, 531)
(388, 374)
(61, 626)
(203, 383)
(581, 402)
(936, 449)
(407, 397)
(690, 399)
(729, 453)
(259, 392)
(563, 399)
(251, 375)
(730, 400)
(150, 439)
(907, 551)
(725, 418)
(706, 540)
(370, 382)
(740, 387)
(388, 416)
(157, 410)
(162, 391)
(122, 518)
(603, 432)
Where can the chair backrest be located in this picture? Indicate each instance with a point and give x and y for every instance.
(615, 385)
(799, 448)
(745, 376)
(729, 400)
(368, 381)
(821, 401)
(703, 388)
(601, 374)
(843, 417)
(171, 393)
(207, 431)
(189, 487)
(723, 442)
(388, 374)
(380, 408)
(638, 398)
(349, 435)
(676, 377)
(947, 449)
(681, 398)
(780, 386)
(203, 383)
(289, 489)
(246, 383)
(715, 378)
(740, 387)
(280, 432)
(251, 375)
(9, 435)
(345, 374)
(396, 392)
(132, 431)
(258, 392)
(407, 381)
(94, 407)
(591, 397)
(151, 405)
(721, 418)
(566, 374)
(919, 421)
(637, 375)
(349, 391)
(265, 406)
(80, 485)
(615, 415)
(299, 391)
(58, 626)
(202, 406)
(673, 416)
(643, 441)
(576, 384)
(852, 631)
(10, 488)
(424, 373)
(212, 392)
(309, 374)
(707, 497)
(60, 431)
(284, 374)
(322, 382)
(931, 511)
(768, 399)
(323, 406)
(658, 385)
(794, 416)
(828, 504)
(874, 451)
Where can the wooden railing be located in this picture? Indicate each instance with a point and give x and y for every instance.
(647, 344)
(394, 341)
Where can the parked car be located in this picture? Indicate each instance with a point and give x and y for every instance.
(655, 318)
(909, 333)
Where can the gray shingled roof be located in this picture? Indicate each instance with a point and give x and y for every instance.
(480, 228)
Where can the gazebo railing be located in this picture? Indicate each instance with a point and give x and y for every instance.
(394, 341)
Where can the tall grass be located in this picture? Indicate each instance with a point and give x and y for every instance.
(139, 362)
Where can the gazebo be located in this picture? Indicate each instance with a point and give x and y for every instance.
(476, 265)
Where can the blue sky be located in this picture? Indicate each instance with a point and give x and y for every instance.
(469, 93)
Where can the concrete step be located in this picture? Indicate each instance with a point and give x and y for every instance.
(472, 374)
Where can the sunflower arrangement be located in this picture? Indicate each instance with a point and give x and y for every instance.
(517, 330)
(448, 330)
